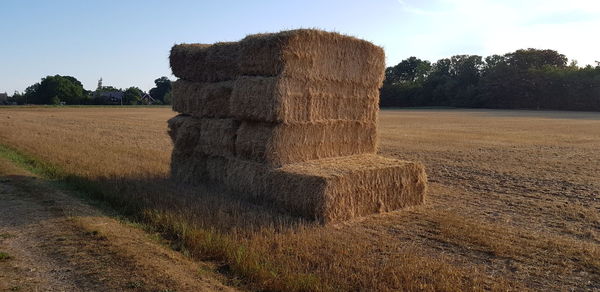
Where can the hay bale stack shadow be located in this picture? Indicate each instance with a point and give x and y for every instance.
(289, 119)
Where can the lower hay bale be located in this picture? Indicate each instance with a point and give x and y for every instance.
(216, 169)
(289, 100)
(202, 99)
(211, 137)
(248, 179)
(330, 190)
(338, 189)
(280, 144)
(174, 124)
(188, 168)
(217, 137)
(327, 190)
(186, 131)
(196, 168)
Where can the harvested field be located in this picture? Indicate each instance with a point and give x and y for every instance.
(513, 201)
(58, 242)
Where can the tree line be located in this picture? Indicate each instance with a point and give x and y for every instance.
(524, 79)
(59, 89)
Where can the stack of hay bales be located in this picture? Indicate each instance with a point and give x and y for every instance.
(289, 118)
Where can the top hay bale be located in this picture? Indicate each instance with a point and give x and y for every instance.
(310, 54)
(205, 62)
(304, 54)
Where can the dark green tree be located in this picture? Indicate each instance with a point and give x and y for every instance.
(163, 86)
(533, 58)
(409, 70)
(525, 79)
(53, 88)
(403, 82)
(133, 95)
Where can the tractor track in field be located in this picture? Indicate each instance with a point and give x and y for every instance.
(52, 241)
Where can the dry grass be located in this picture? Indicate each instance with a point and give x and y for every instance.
(513, 201)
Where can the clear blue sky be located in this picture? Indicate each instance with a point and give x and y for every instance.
(127, 42)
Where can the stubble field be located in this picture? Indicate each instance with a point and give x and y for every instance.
(514, 201)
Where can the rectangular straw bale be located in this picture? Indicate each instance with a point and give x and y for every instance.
(342, 188)
(216, 169)
(174, 124)
(197, 168)
(247, 178)
(313, 55)
(188, 167)
(279, 144)
(202, 99)
(290, 100)
(204, 62)
(217, 137)
(186, 133)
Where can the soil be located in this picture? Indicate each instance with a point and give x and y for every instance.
(51, 240)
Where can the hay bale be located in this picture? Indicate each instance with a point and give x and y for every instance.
(197, 168)
(305, 54)
(174, 124)
(204, 62)
(188, 167)
(214, 137)
(333, 189)
(202, 99)
(279, 144)
(289, 100)
(216, 169)
(247, 179)
(186, 130)
(337, 189)
(309, 54)
(217, 137)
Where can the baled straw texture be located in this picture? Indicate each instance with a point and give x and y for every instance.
(217, 137)
(343, 188)
(280, 144)
(185, 133)
(186, 130)
(205, 63)
(174, 124)
(289, 100)
(188, 167)
(197, 168)
(216, 169)
(333, 189)
(214, 137)
(198, 143)
(202, 99)
(310, 54)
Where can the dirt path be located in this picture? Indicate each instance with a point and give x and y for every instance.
(50, 241)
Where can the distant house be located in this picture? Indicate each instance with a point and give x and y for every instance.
(3, 98)
(148, 99)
